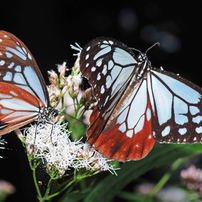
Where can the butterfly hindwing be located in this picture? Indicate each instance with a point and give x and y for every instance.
(17, 107)
(128, 135)
(176, 106)
(18, 67)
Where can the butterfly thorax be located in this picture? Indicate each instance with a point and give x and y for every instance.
(143, 64)
(46, 112)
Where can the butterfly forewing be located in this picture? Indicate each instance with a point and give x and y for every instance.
(18, 67)
(109, 66)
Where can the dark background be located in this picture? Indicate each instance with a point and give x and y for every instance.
(49, 27)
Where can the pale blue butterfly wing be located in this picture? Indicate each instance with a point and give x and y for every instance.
(23, 93)
(177, 108)
(18, 67)
(137, 103)
(110, 67)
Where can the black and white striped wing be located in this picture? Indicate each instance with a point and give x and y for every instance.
(109, 66)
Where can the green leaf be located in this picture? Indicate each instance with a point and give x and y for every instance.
(76, 195)
(162, 154)
(129, 196)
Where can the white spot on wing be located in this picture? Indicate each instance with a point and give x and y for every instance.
(108, 81)
(29, 56)
(166, 131)
(194, 110)
(104, 71)
(122, 128)
(18, 68)
(197, 119)
(182, 131)
(111, 42)
(129, 133)
(98, 76)
(2, 62)
(13, 93)
(88, 48)
(99, 62)
(8, 55)
(148, 114)
(87, 56)
(8, 76)
(93, 69)
(102, 90)
(11, 65)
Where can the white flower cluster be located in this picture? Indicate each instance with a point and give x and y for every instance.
(53, 145)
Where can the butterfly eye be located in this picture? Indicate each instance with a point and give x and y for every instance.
(137, 104)
(23, 93)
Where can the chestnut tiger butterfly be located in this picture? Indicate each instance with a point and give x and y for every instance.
(23, 93)
(137, 104)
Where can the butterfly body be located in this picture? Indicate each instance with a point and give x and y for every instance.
(23, 93)
(137, 104)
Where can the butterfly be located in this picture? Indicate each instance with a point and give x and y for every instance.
(137, 103)
(23, 93)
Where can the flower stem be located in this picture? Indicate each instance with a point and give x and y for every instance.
(33, 167)
(165, 178)
(77, 107)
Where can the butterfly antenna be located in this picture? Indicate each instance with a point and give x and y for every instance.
(156, 44)
(135, 50)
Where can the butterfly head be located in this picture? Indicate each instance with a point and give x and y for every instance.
(46, 112)
(142, 57)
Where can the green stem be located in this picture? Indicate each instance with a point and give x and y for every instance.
(77, 107)
(63, 189)
(34, 177)
(46, 197)
(165, 178)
